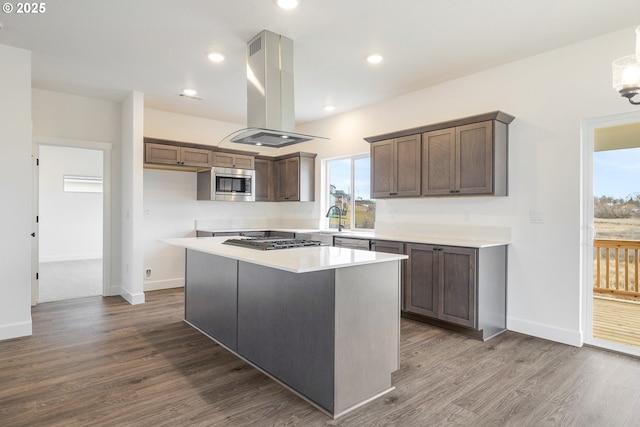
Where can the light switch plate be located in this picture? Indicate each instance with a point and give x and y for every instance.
(536, 217)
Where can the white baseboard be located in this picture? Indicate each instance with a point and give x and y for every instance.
(564, 336)
(70, 257)
(16, 330)
(156, 285)
(133, 299)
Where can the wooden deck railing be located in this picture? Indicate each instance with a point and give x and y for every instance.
(616, 269)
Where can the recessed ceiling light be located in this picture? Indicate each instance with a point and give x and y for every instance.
(329, 108)
(190, 93)
(376, 58)
(216, 57)
(288, 4)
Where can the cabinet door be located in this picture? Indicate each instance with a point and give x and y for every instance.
(407, 165)
(421, 281)
(226, 160)
(382, 169)
(162, 154)
(438, 162)
(457, 283)
(195, 157)
(243, 162)
(288, 179)
(293, 178)
(265, 191)
(474, 158)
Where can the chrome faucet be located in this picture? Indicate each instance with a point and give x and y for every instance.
(340, 226)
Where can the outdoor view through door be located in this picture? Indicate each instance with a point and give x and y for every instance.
(616, 296)
(348, 187)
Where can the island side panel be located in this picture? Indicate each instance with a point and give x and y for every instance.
(286, 327)
(211, 296)
(367, 331)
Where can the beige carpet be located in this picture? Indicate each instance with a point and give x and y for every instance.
(70, 279)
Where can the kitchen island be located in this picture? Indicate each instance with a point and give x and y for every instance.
(323, 321)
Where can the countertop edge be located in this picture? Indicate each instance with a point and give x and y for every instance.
(433, 240)
(213, 245)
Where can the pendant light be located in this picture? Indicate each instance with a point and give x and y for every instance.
(626, 73)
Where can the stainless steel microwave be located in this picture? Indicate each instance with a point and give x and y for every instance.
(227, 184)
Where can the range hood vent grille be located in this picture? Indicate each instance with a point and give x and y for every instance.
(255, 46)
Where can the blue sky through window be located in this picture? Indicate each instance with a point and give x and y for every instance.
(616, 173)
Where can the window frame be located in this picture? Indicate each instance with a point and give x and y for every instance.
(327, 186)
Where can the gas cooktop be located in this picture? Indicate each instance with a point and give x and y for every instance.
(270, 243)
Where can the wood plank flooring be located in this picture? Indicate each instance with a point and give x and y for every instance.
(102, 362)
(617, 320)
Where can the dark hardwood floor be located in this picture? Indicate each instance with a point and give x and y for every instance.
(102, 362)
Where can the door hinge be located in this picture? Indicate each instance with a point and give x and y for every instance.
(37, 276)
(37, 162)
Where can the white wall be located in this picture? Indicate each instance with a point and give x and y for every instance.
(15, 192)
(86, 122)
(70, 222)
(131, 193)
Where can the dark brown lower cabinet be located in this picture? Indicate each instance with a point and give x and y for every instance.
(457, 287)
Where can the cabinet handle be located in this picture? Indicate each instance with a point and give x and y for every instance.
(393, 194)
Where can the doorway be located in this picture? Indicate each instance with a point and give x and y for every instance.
(611, 235)
(72, 199)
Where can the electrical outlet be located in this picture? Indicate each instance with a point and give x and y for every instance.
(147, 273)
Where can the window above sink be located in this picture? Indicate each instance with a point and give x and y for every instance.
(348, 187)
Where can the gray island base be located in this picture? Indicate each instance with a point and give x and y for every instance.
(331, 335)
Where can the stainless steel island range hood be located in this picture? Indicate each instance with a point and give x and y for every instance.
(270, 99)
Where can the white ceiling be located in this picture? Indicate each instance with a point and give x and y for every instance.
(106, 48)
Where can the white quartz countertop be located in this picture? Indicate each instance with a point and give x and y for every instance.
(296, 260)
(372, 235)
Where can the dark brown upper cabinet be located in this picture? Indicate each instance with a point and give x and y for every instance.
(295, 177)
(177, 156)
(395, 167)
(232, 160)
(265, 181)
(460, 160)
(467, 156)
